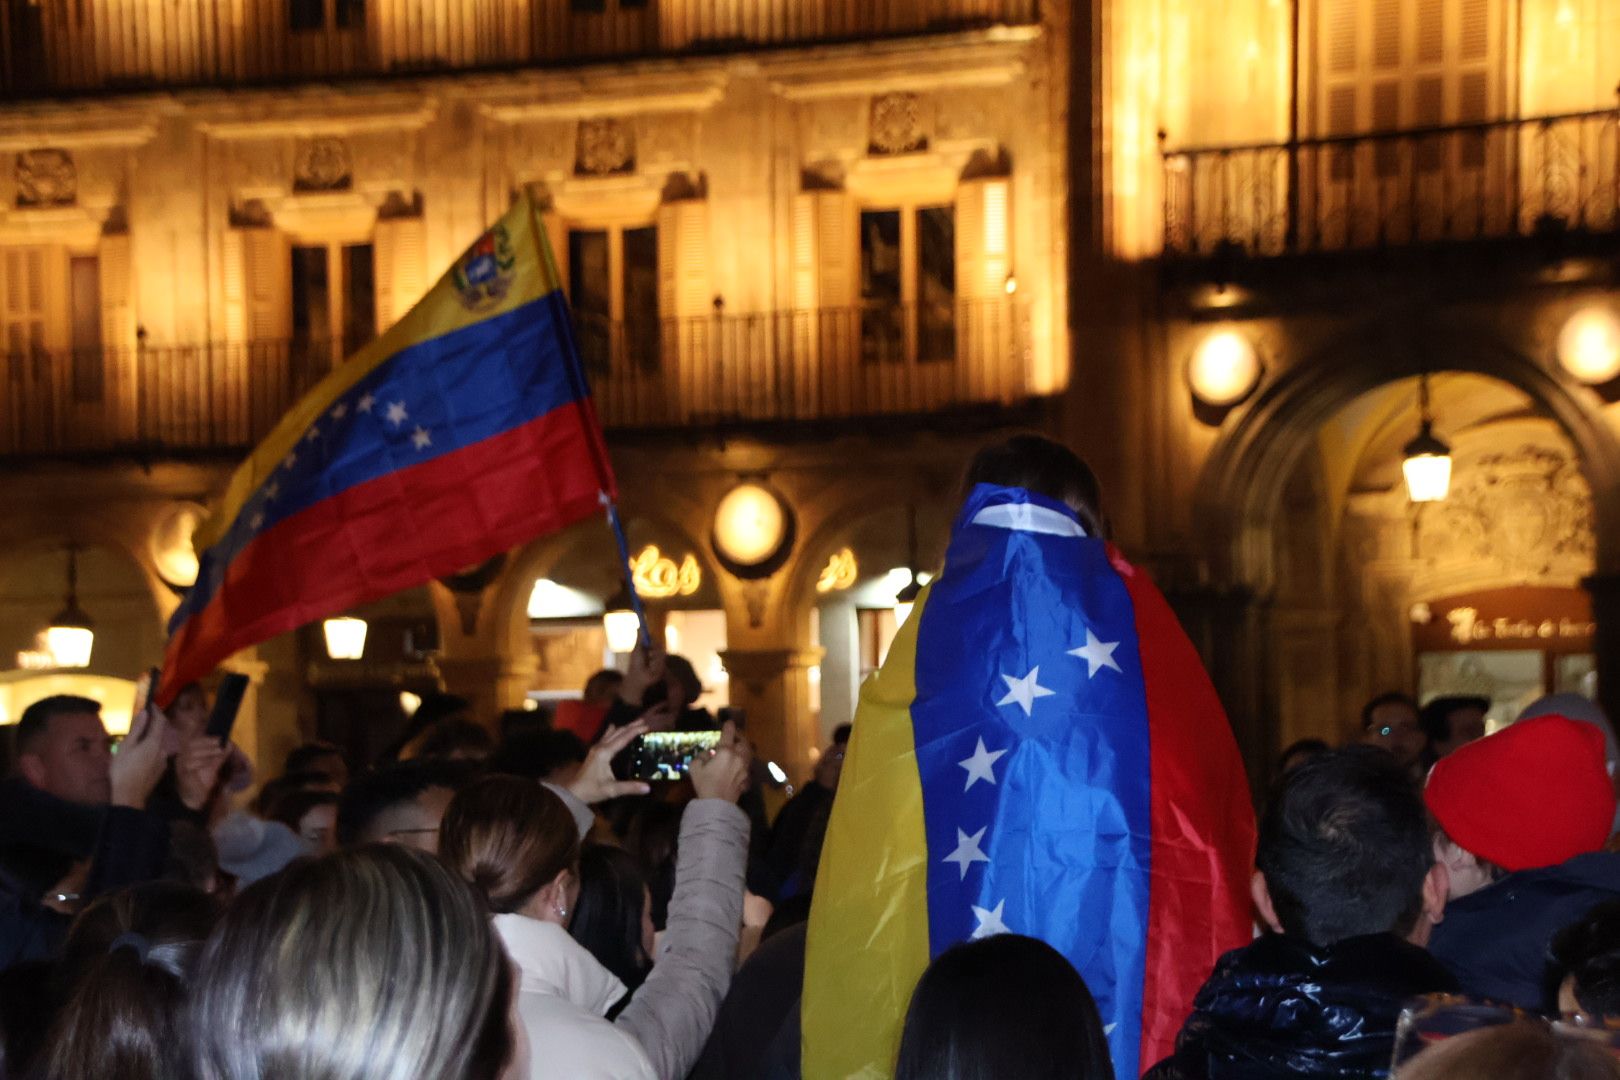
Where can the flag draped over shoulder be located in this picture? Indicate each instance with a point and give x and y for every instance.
(464, 430)
(1042, 753)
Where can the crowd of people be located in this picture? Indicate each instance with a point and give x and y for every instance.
(497, 902)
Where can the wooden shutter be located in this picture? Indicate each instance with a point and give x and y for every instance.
(117, 299)
(267, 295)
(983, 229)
(683, 260)
(23, 318)
(399, 251)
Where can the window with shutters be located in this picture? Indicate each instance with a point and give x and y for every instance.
(23, 321)
(613, 288)
(1394, 65)
(89, 372)
(334, 305)
(317, 15)
(908, 284)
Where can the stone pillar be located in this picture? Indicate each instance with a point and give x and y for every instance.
(841, 667)
(773, 685)
(1605, 593)
(1227, 627)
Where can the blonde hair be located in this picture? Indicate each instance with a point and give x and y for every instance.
(508, 838)
(1518, 1051)
(370, 964)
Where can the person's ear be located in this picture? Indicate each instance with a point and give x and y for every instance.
(1436, 889)
(1261, 893)
(32, 767)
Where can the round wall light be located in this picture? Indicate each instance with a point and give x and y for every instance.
(1589, 344)
(753, 530)
(170, 544)
(1225, 369)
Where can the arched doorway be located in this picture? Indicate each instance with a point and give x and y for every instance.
(1282, 536)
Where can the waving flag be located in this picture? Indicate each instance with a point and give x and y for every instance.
(1041, 754)
(463, 431)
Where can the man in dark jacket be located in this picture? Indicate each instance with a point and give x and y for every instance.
(1525, 814)
(1347, 884)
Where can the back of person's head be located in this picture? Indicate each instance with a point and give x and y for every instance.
(680, 669)
(374, 963)
(537, 755)
(601, 688)
(454, 739)
(611, 915)
(1584, 964)
(1435, 717)
(508, 838)
(1002, 1007)
(316, 757)
(123, 979)
(1344, 848)
(290, 808)
(1525, 1050)
(841, 734)
(370, 802)
(1036, 463)
(1533, 795)
(193, 859)
(1299, 752)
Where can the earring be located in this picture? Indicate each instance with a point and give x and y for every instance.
(562, 912)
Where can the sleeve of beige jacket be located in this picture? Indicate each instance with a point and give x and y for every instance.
(672, 1013)
(584, 816)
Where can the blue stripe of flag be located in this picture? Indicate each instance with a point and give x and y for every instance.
(1067, 823)
(458, 389)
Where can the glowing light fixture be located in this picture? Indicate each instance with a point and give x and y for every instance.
(549, 600)
(409, 702)
(750, 525)
(170, 544)
(1224, 369)
(1427, 464)
(620, 624)
(658, 577)
(71, 635)
(776, 772)
(1589, 345)
(840, 572)
(345, 638)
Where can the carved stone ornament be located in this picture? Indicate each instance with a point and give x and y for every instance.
(604, 148)
(896, 125)
(323, 165)
(1528, 511)
(46, 178)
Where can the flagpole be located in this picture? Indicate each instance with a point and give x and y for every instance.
(582, 395)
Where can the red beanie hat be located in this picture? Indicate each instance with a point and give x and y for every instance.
(1532, 795)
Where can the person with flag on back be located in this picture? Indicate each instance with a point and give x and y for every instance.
(1048, 758)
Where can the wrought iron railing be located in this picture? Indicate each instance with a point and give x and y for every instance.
(1512, 178)
(51, 47)
(786, 366)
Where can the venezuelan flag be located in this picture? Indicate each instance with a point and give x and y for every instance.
(1042, 753)
(462, 431)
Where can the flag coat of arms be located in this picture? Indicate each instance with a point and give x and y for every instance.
(1041, 753)
(464, 430)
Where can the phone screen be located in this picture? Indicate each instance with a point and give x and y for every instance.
(667, 755)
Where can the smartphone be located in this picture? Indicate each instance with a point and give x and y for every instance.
(227, 703)
(667, 755)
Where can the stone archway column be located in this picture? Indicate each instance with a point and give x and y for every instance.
(1605, 592)
(773, 685)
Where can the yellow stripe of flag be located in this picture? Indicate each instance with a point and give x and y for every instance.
(868, 940)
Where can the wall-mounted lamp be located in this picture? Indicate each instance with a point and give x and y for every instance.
(345, 638)
(1224, 369)
(1427, 464)
(1589, 344)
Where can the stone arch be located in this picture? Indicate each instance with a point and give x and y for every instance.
(1243, 479)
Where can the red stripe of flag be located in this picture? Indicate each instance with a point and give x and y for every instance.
(1203, 822)
(396, 532)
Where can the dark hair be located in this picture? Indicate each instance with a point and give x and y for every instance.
(681, 670)
(1306, 748)
(508, 838)
(290, 807)
(1036, 463)
(282, 786)
(434, 707)
(1344, 847)
(535, 755)
(523, 722)
(1435, 717)
(841, 734)
(307, 758)
(607, 916)
(193, 859)
(123, 976)
(448, 738)
(1589, 950)
(1004, 1006)
(1392, 697)
(374, 962)
(369, 796)
(36, 719)
(606, 681)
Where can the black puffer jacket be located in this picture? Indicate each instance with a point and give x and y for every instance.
(1281, 1007)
